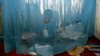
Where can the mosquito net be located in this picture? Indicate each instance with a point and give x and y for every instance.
(47, 27)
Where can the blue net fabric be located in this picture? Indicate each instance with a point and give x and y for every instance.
(47, 27)
(8, 25)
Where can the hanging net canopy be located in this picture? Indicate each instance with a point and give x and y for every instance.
(47, 27)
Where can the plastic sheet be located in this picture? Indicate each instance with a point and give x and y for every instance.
(47, 27)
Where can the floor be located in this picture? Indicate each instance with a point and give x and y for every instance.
(92, 41)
